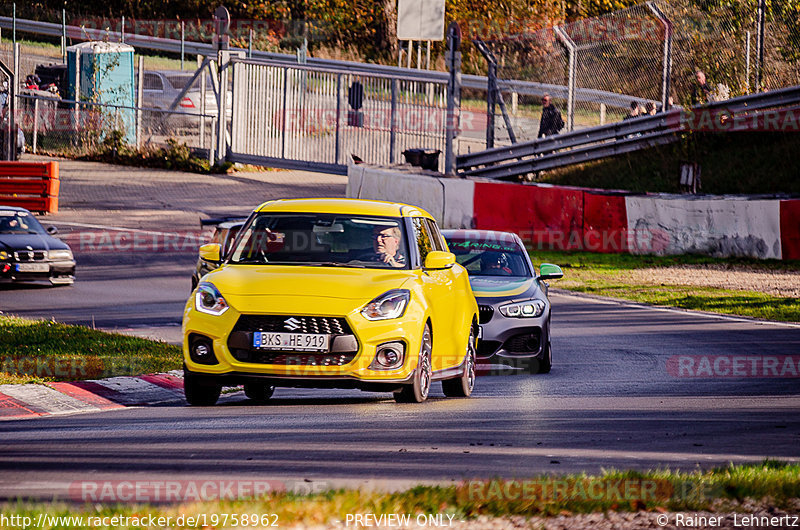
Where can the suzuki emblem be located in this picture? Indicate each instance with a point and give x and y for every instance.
(292, 324)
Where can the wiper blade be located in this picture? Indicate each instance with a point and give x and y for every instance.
(336, 264)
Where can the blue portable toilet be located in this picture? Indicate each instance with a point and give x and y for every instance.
(106, 76)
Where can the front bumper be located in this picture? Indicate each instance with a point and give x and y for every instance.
(347, 365)
(503, 339)
(58, 272)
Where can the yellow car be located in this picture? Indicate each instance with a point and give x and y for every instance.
(332, 293)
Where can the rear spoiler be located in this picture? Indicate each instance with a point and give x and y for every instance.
(214, 221)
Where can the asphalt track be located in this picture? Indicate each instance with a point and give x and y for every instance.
(612, 400)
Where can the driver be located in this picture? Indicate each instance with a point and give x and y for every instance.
(386, 243)
(495, 264)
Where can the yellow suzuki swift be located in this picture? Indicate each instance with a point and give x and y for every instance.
(332, 293)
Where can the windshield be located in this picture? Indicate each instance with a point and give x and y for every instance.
(483, 257)
(322, 240)
(14, 222)
(179, 81)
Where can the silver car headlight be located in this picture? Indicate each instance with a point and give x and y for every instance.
(391, 304)
(59, 255)
(527, 309)
(208, 299)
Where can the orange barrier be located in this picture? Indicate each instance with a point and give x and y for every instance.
(30, 185)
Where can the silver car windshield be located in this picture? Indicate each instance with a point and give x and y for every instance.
(490, 258)
(322, 240)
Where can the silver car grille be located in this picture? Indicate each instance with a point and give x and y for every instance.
(30, 255)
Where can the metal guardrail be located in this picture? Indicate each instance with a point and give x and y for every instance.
(607, 140)
(475, 82)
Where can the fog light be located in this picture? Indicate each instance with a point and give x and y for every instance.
(201, 349)
(388, 356)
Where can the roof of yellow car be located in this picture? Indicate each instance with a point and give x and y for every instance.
(343, 206)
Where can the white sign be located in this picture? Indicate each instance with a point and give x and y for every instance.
(420, 19)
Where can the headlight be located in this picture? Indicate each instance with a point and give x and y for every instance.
(529, 309)
(208, 299)
(54, 255)
(391, 304)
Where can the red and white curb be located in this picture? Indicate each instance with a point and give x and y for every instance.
(29, 401)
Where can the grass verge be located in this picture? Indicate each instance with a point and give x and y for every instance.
(772, 483)
(37, 351)
(610, 275)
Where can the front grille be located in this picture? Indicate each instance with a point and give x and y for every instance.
(301, 359)
(485, 313)
(343, 344)
(523, 343)
(298, 324)
(30, 255)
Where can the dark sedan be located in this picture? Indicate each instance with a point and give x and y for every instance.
(514, 309)
(29, 253)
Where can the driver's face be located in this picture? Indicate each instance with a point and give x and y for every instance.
(385, 241)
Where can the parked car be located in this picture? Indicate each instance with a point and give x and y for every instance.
(28, 252)
(512, 299)
(160, 88)
(225, 232)
(338, 293)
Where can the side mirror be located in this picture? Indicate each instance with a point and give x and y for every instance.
(548, 271)
(52, 230)
(211, 252)
(437, 259)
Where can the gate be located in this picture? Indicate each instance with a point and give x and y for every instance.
(317, 118)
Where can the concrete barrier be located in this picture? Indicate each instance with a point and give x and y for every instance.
(570, 218)
(720, 227)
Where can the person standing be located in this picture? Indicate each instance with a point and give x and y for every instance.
(701, 91)
(551, 122)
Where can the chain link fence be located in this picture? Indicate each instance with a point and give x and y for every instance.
(54, 124)
(634, 60)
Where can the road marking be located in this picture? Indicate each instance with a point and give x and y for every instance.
(46, 399)
(628, 303)
(105, 227)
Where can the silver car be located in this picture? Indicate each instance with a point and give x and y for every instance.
(160, 88)
(514, 309)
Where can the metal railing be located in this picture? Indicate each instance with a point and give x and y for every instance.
(290, 115)
(599, 142)
(474, 82)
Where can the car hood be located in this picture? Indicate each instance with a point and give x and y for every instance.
(328, 282)
(10, 242)
(487, 288)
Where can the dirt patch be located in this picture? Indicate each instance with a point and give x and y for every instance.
(784, 284)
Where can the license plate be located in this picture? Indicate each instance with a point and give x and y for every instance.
(33, 267)
(290, 341)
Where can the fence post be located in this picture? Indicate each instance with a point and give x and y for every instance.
(283, 120)
(183, 41)
(760, 43)
(453, 97)
(200, 60)
(569, 44)
(14, 28)
(64, 36)
(35, 124)
(337, 147)
(122, 31)
(666, 71)
(139, 102)
(393, 123)
(747, 62)
(491, 104)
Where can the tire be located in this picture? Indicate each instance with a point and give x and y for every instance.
(200, 391)
(463, 385)
(258, 392)
(547, 360)
(417, 392)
